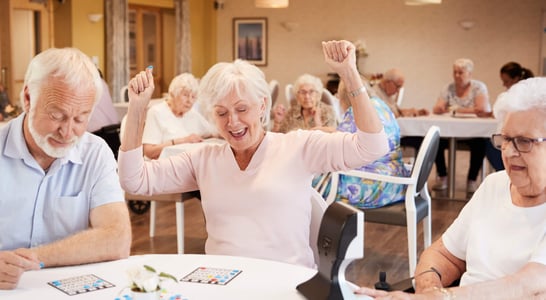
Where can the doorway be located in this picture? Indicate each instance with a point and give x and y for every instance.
(26, 31)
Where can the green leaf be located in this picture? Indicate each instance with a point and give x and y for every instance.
(168, 276)
(150, 268)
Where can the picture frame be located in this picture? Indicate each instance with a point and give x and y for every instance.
(250, 40)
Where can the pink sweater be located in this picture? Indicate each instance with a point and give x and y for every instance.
(265, 210)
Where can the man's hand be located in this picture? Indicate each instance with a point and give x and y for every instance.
(13, 264)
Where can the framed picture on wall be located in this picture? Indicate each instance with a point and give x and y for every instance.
(250, 40)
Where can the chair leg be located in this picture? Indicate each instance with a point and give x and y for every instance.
(152, 218)
(427, 232)
(412, 242)
(180, 226)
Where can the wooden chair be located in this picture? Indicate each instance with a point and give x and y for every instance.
(415, 207)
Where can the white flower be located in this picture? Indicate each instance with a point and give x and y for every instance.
(146, 279)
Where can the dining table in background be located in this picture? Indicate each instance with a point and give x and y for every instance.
(452, 126)
(259, 279)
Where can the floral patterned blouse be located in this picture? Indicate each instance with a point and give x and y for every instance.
(450, 95)
(366, 193)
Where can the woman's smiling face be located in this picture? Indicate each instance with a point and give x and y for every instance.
(238, 120)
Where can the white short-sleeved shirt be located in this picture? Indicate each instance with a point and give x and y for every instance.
(162, 125)
(495, 237)
(39, 208)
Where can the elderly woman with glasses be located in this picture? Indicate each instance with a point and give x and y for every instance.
(497, 244)
(307, 111)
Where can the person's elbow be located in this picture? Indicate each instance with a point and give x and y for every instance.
(122, 242)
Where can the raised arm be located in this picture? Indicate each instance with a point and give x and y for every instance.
(340, 56)
(140, 91)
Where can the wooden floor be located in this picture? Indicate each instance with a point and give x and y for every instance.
(385, 246)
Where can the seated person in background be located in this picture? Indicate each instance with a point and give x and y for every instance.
(104, 114)
(65, 206)
(510, 73)
(366, 193)
(387, 90)
(173, 121)
(497, 244)
(244, 183)
(308, 111)
(463, 95)
(4, 102)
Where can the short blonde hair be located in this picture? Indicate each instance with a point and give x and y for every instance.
(239, 76)
(464, 63)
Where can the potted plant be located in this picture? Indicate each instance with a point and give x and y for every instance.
(146, 282)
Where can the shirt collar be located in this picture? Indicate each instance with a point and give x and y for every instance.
(16, 146)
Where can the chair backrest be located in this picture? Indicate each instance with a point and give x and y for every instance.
(111, 135)
(425, 157)
(289, 93)
(274, 90)
(123, 95)
(331, 100)
(318, 207)
(400, 97)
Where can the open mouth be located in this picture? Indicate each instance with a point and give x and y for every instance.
(238, 133)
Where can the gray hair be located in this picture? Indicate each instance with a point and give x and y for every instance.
(464, 63)
(239, 76)
(308, 79)
(184, 81)
(69, 65)
(528, 94)
(394, 75)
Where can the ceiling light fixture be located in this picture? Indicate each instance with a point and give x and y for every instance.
(422, 2)
(271, 3)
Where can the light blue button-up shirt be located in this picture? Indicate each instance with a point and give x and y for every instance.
(38, 208)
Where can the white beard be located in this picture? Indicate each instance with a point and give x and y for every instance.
(41, 141)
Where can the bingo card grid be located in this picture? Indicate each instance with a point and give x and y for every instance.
(80, 284)
(208, 275)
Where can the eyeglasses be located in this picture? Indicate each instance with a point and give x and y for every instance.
(304, 92)
(522, 144)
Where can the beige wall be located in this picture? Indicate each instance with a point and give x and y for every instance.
(88, 36)
(423, 41)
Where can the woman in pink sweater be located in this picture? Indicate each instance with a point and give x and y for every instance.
(256, 188)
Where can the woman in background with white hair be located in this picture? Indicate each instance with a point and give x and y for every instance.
(307, 111)
(463, 95)
(173, 121)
